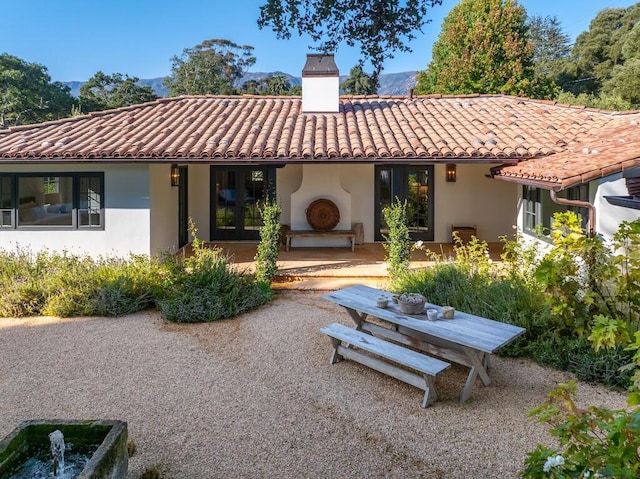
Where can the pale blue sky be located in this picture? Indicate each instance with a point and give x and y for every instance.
(76, 38)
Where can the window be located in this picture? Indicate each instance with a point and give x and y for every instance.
(63, 201)
(539, 208)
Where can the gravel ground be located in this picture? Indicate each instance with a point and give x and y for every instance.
(256, 397)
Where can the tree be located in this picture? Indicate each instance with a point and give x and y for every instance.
(103, 91)
(380, 27)
(213, 67)
(612, 39)
(551, 46)
(483, 48)
(27, 94)
(358, 83)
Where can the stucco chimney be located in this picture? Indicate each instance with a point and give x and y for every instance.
(320, 84)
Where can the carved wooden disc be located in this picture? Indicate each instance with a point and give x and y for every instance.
(323, 215)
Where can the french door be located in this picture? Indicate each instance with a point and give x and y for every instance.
(235, 196)
(183, 206)
(410, 183)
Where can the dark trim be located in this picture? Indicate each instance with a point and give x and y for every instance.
(632, 202)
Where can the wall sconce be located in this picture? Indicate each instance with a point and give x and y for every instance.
(175, 175)
(451, 172)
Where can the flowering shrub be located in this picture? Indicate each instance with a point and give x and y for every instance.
(594, 442)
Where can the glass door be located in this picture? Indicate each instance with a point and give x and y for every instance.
(413, 184)
(235, 196)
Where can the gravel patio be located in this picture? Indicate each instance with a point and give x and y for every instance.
(256, 397)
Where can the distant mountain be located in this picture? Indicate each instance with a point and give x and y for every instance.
(390, 83)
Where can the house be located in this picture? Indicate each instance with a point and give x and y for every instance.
(127, 180)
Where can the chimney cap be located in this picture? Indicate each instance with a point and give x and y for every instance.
(320, 64)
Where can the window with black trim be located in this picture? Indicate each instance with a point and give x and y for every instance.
(52, 201)
(539, 208)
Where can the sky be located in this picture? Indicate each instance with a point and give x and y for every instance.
(75, 39)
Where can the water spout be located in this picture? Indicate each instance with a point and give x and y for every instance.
(57, 451)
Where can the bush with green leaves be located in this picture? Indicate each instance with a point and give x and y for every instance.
(206, 287)
(269, 247)
(398, 242)
(593, 442)
(65, 285)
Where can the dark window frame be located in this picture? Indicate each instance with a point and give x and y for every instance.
(534, 201)
(75, 225)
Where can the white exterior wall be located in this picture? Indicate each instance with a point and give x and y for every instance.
(199, 200)
(163, 209)
(126, 217)
(320, 94)
(608, 216)
(473, 199)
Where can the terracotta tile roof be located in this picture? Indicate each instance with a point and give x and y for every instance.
(473, 128)
(612, 149)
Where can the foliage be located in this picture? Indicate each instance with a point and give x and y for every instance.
(212, 67)
(602, 101)
(103, 91)
(597, 63)
(483, 48)
(27, 94)
(596, 442)
(551, 46)
(274, 85)
(380, 27)
(397, 246)
(269, 247)
(358, 83)
(204, 287)
(66, 285)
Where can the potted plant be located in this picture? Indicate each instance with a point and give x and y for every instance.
(411, 303)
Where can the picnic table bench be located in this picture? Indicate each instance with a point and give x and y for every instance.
(428, 367)
(467, 339)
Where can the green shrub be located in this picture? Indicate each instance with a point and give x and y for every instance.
(269, 247)
(398, 244)
(205, 287)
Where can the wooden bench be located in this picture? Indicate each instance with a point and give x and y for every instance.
(427, 366)
(350, 234)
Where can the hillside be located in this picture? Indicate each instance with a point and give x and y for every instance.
(390, 83)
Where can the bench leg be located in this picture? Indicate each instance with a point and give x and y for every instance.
(335, 357)
(288, 243)
(429, 391)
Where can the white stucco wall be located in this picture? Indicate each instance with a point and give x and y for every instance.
(164, 210)
(473, 199)
(608, 216)
(200, 200)
(127, 218)
(320, 94)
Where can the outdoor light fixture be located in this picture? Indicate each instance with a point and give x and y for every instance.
(175, 175)
(451, 172)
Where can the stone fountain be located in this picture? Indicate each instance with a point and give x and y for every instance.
(65, 450)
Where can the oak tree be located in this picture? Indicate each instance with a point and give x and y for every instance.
(27, 94)
(104, 91)
(212, 67)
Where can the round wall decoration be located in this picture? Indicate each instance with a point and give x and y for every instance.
(323, 215)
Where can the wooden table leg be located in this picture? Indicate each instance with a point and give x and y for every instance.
(476, 359)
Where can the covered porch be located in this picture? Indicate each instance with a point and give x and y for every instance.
(332, 268)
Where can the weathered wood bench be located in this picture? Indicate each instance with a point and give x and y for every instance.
(350, 234)
(427, 366)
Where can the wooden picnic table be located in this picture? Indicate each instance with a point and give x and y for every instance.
(467, 339)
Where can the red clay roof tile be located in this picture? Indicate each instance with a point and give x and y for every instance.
(494, 128)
